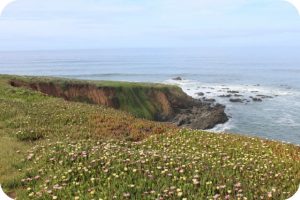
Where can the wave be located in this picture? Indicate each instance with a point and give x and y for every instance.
(223, 128)
(216, 89)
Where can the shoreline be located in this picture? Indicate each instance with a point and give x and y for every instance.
(275, 117)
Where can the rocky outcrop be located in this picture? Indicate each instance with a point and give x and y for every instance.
(201, 117)
(177, 78)
(225, 95)
(233, 92)
(237, 100)
(200, 94)
(256, 99)
(264, 96)
(166, 104)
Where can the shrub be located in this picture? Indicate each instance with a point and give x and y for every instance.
(29, 135)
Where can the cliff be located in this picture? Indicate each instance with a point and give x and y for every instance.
(156, 102)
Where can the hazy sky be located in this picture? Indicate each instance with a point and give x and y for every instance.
(85, 24)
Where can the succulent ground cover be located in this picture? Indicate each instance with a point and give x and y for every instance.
(53, 149)
(185, 165)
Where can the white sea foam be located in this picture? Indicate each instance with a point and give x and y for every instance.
(221, 128)
(246, 91)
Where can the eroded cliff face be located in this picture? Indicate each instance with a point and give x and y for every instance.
(168, 104)
(73, 92)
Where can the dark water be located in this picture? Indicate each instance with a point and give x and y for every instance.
(267, 72)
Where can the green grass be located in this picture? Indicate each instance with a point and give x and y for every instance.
(116, 84)
(54, 149)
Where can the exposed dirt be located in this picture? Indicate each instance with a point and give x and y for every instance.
(166, 106)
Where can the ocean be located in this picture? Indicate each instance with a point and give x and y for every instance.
(214, 72)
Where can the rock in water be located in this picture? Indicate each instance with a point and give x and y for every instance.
(233, 92)
(238, 95)
(238, 100)
(225, 96)
(200, 93)
(264, 96)
(256, 99)
(209, 100)
(177, 78)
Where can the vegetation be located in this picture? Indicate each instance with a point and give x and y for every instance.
(55, 149)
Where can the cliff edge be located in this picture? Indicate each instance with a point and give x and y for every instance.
(156, 102)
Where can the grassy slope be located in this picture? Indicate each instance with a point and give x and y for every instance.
(52, 148)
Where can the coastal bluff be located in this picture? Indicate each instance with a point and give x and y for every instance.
(158, 102)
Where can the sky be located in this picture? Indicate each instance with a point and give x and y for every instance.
(93, 24)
